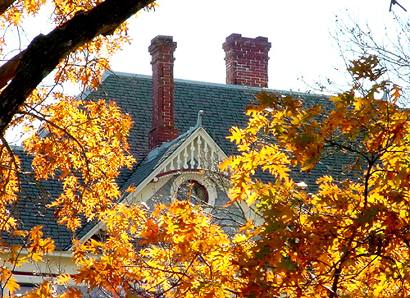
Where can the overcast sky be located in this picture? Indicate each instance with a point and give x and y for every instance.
(299, 30)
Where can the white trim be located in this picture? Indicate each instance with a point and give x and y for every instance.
(52, 264)
(198, 134)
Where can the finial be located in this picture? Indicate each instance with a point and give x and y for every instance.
(199, 119)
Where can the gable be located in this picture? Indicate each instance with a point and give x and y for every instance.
(199, 152)
(194, 151)
(190, 155)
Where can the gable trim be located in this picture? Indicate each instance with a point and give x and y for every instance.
(162, 169)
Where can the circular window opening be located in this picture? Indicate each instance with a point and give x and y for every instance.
(193, 191)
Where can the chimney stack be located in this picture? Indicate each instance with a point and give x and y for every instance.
(162, 54)
(246, 60)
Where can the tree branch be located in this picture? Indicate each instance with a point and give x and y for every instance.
(46, 51)
(8, 70)
(5, 4)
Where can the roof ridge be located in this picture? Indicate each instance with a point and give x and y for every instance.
(17, 147)
(213, 84)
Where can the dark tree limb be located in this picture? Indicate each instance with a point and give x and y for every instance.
(8, 70)
(46, 51)
(5, 4)
(394, 2)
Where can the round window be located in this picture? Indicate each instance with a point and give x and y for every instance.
(192, 190)
(195, 188)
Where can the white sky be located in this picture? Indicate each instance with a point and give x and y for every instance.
(299, 31)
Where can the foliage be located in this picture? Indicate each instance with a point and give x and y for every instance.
(350, 238)
(174, 251)
(82, 144)
(345, 236)
(86, 34)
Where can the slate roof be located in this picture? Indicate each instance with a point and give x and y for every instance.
(31, 207)
(224, 107)
(155, 158)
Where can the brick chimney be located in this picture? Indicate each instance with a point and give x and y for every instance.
(162, 53)
(246, 60)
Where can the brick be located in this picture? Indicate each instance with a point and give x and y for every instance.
(162, 60)
(247, 60)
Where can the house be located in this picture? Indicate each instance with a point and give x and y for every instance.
(178, 137)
